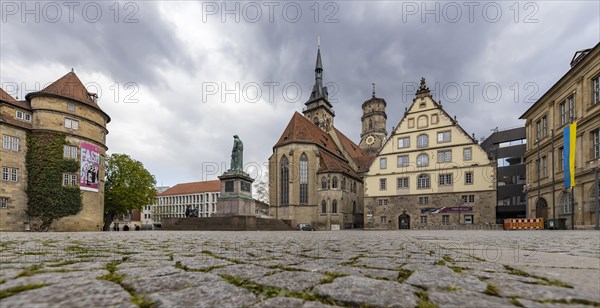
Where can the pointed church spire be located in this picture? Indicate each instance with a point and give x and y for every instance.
(319, 65)
(319, 91)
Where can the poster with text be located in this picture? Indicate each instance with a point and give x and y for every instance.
(90, 167)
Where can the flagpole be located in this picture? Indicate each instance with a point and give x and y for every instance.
(553, 201)
(572, 179)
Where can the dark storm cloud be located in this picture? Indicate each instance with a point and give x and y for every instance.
(127, 43)
(176, 48)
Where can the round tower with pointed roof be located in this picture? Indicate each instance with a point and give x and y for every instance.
(65, 107)
(373, 120)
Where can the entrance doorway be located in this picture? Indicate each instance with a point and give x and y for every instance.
(541, 209)
(404, 221)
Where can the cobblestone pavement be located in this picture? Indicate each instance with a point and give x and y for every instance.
(301, 269)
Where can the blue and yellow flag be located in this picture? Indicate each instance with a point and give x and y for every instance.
(569, 154)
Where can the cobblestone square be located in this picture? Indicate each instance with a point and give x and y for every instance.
(301, 269)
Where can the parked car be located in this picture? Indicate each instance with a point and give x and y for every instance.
(305, 227)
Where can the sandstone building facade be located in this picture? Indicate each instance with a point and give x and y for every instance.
(429, 172)
(64, 107)
(575, 96)
(315, 171)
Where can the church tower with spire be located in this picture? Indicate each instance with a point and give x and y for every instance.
(374, 120)
(318, 108)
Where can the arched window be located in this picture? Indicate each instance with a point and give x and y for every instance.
(565, 203)
(422, 141)
(422, 121)
(370, 124)
(422, 160)
(303, 179)
(334, 206)
(423, 181)
(343, 183)
(324, 183)
(285, 180)
(323, 206)
(334, 182)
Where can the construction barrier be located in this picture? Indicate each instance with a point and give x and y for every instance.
(523, 224)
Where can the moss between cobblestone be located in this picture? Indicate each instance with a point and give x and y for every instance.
(331, 276)
(543, 280)
(452, 289)
(571, 302)
(30, 271)
(459, 269)
(424, 301)
(403, 274)
(265, 292)
(210, 253)
(448, 258)
(136, 298)
(491, 290)
(12, 291)
(515, 301)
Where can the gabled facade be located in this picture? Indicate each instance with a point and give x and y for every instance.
(576, 97)
(429, 172)
(66, 108)
(315, 171)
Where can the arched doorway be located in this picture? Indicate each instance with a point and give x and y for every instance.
(541, 209)
(404, 221)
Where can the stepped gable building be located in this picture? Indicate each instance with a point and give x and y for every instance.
(66, 108)
(429, 172)
(315, 170)
(576, 96)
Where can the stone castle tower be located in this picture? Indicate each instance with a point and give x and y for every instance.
(374, 119)
(318, 108)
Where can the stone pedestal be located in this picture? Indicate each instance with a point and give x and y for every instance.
(236, 195)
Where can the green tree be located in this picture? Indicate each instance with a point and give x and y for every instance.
(129, 186)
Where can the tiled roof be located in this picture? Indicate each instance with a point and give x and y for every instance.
(192, 188)
(5, 97)
(300, 129)
(69, 86)
(360, 157)
(330, 163)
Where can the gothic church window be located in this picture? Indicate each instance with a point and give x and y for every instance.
(334, 182)
(323, 206)
(324, 183)
(285, 180)
(303, 179)
(370, 124)
(334, 206)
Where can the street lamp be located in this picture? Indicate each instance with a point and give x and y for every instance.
(596, 188)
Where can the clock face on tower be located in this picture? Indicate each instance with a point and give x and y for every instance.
(370, 140)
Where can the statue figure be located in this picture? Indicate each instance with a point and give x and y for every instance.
(237, 155)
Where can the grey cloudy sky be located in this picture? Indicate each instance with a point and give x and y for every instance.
(180, 78)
